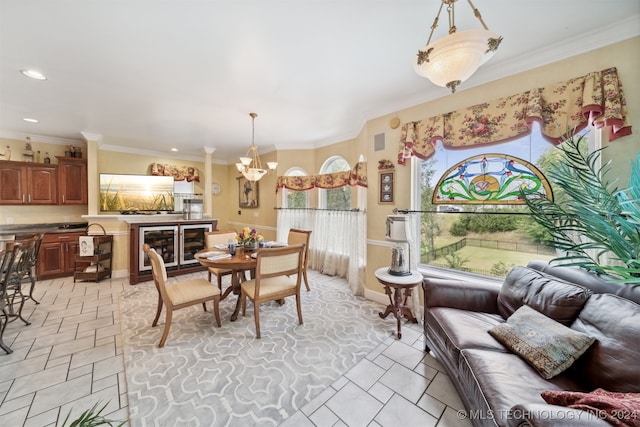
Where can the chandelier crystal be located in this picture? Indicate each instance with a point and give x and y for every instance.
(452, 59)
(250, 166)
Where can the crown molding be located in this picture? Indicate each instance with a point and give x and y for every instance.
(88, 136)
(133, 150)
(19, 136)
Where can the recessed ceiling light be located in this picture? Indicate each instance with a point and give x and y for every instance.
(174, 149)
(30, 120)
(34, 74)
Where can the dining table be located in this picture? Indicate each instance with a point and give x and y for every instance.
(238, 263)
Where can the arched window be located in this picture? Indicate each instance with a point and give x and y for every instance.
(295, 199)
(481, 238)
(336, 198)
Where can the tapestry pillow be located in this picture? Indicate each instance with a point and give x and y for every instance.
(619, 409)
(551, 296)
(545, 344)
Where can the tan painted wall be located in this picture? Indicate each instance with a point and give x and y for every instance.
(622, 55)
(225, 206)
(262, 218)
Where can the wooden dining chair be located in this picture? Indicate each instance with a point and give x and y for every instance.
(175, 296)
(278, 275)
(295, 237)
(213, 238)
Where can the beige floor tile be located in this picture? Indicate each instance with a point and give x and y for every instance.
(400, 412)
(443, 389)
(25, 384)
(364, 374)
(354, 406)
(70, 358)
(323, 417)
(47, 418)
(405, 382)
(57, 395)
(92, 355)
(404, 354)
(72, 347)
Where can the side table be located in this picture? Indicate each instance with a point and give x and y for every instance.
(398, 305)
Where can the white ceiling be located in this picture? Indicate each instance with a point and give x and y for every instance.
(149, 75)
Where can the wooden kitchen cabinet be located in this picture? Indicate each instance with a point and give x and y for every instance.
(72, 181)
(57, 254)
(26, 183)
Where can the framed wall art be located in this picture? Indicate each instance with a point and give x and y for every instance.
(248, 195)
(386, 186)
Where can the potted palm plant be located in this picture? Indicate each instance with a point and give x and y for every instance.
(598, 226)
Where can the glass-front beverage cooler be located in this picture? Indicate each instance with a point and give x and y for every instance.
(192, 240)
(164, 239)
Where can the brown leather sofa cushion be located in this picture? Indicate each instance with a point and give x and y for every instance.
(597, 284)
(452, 330)
(498, 381)
(555, 298)
(612, 362)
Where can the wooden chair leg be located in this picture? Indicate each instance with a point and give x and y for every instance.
(216, 309)
(306, 281)
(220, 282)
(158, 311)
(299, 307)
(167, 326)
(204, 305)
(243, 299)
(256, 314)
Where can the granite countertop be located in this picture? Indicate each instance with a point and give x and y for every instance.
(56, 227)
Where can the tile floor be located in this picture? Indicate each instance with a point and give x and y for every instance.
(70, 357)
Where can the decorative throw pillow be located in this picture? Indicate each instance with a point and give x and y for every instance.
(545, 344)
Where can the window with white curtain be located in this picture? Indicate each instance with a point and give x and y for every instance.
(338, 242)
(336, 198)
(295, 199)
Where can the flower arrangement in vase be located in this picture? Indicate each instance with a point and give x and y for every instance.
(249, 238)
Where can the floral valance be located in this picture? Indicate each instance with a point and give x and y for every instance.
(356, 176)
(595, 98)
(179, 173)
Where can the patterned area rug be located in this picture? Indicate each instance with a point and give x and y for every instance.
(209, 376)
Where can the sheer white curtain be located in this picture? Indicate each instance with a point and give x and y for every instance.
(337, 246)
(414, 244)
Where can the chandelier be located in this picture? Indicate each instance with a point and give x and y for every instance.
(250, 166)
(452, 59)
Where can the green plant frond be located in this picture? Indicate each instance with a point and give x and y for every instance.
(92, 417)
(608, 219)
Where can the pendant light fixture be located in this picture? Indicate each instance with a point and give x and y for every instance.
(250, 166)
(452, 59)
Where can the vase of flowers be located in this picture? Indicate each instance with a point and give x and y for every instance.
(249, 238)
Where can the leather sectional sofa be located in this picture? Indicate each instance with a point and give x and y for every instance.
(497, 386)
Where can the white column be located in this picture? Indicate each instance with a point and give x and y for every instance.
(208, 180)
(93, 185)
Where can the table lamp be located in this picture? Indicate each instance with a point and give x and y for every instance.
(398, 231)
